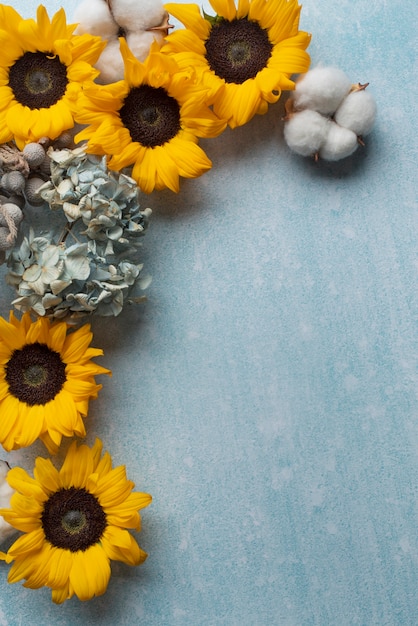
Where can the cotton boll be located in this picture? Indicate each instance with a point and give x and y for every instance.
(357, 112)
(321, 89)
(110, 64)
(94, 17)
(339, 143)
(305, 132)
(140, 43)
(6, 493)
(138, 15)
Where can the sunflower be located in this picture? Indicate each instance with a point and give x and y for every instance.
(42, 69)
(46, 381)
(75, 521)
(251, 51)
(150, 120)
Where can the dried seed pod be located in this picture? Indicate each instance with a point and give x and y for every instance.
(45, 166)
(34, 154)
(15, 199)
(63, 141)
(13, 211)
(14, 182)
(33, 184)
(45, 142)
(6, 241)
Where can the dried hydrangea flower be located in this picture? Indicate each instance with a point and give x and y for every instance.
(87, 261)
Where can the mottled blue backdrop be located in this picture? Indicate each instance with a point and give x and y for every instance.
(267, 392)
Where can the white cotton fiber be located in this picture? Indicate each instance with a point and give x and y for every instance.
(110, 64)
(357, 112)
(94, 17)
(321, 89)
(6, 492)
(339, 143)
(138, 15)
(140, 43)
(305, 132)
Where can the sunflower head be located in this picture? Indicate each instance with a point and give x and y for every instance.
(251, 50)
(43, 67)
(46, 381)
(150, 121)
(75, 521)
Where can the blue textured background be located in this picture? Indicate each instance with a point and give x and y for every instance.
(266, 394)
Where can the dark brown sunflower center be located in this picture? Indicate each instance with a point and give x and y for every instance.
(73, 519)
(237, 50)
(38, 79)
(151, 115)
(35, 374)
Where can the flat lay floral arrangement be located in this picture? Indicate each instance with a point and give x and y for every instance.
(95, 115)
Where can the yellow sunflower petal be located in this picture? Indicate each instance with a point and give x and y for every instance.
(46, 474)
(120, 545)
(32, 419)
(185, 41)
(56, 336)
(156, 164)
(98, 461)
(113, 488)
(28, 543)
(190, 16)
(225, 8)
(191, 161)
(52, 440)
(76, 343)
(9, 410)
(10, 335)
(60, 595)
(243, 8)
(90, 573)
(125, 514)
(78, 465)
(60, 566)
(20, 480)
(239, 103)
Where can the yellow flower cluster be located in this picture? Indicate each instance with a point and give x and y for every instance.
(74, 520)
(215, 72)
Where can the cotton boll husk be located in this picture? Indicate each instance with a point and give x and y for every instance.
(305, 132)
(140, 43)
(94, 17)
(357, 112)
(138, 15)
(110, 64)
(339, 143)
(321, 89)
(6, 493)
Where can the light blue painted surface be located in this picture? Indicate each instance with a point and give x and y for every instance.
(267, 393)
